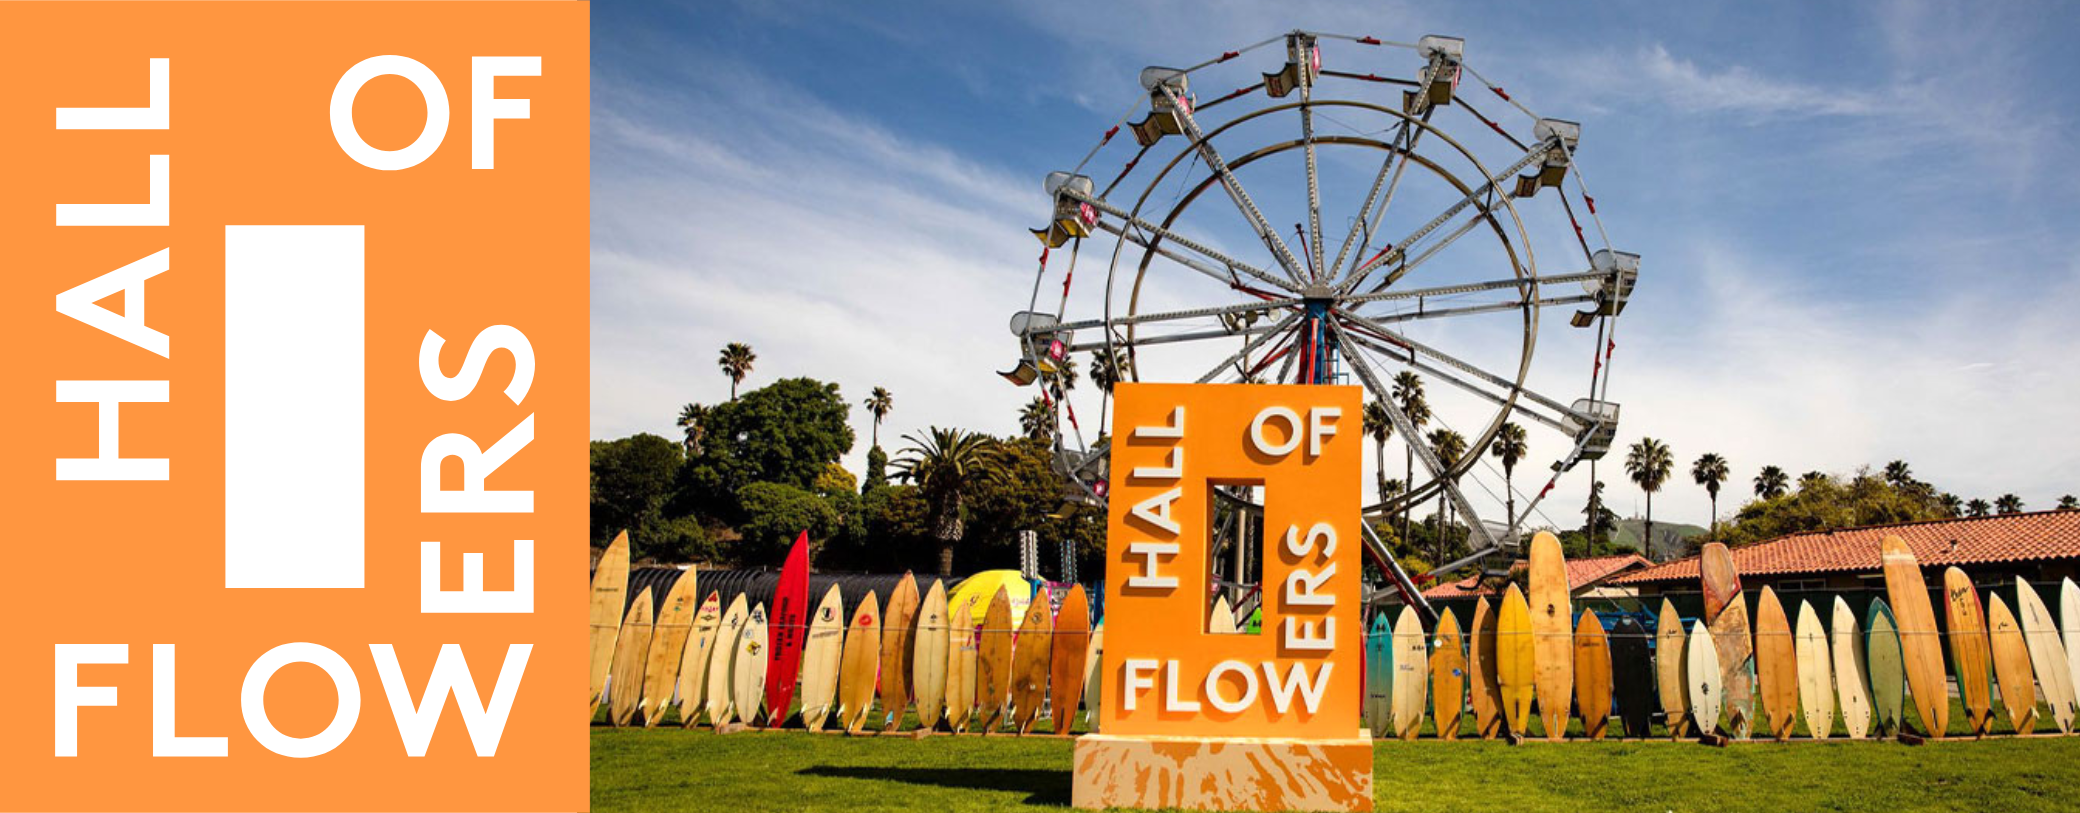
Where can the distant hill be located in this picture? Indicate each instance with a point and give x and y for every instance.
(1668, 537)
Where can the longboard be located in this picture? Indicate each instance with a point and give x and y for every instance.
(2010, 654)
(1736, 654)
(1485, 693)
(1815, 674)
(1776, 665)
(1921, 644)
(668, 648)
(1552, 617)
(960, 668)
(1032, 652)
(748, 684)
(1671, 669)
(1411, 673)
(722, 657)
(1448, 677)
(1514, 670)
(860, 664)
(1221, 619)
(1592, 675)
(898, 637)
(1093, 678)
(993, 663)
(2040, 634)
(1071, 645)
(693, 662)
(1379, 675)
(1851, 672)
(1969, 656)
(1703, 669)
(2069, 609)
(631, 651)
(1632, 677)
(1720, 579)
(928, 659)
(1887, 669)
(609, 597)
(822, 656)
(787, 632)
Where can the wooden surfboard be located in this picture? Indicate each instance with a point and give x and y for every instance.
(1411, 673)
(1032, 654)
(787, 632)
(1448, 677)
(898, 642)
(1736, 654)
(748, 684)
(1072, 639)
(1886, 668)
(1671, 669)
(2040, 635)
(1514, 661)
(860, 664)
(693, 661)
(720, 660)
(960, 668)
(1552, 619)
(2069, 609)
(1776, 665)
(822, 656)
(1592, 675)
(1815, 674)
(1221, 619)
(609, 597)
(1851, 674)
(1703, 670)
(993, 663)
(1093, 678)
(667, 648)
(1921, 643)
(1379, 675)
(1483, 688)
(631, 653)
(928, 660)
(1969, 657)
(1632, 677)
(2010, 653)
(1720, 579)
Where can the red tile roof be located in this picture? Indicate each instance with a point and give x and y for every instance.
(1581, 573)
(1987, 540)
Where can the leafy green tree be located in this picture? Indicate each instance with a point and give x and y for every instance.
(877, 470)
(879, 403)
(631, 482)
(736, 361)
(1510, 447)
(1027, 495)
(1710, 471)
(1827, 503)
(1649, 464)
(1809, 478)
(1771, 483)
(783, 433)
(774, 513)
(2008, 504)
(947, 465)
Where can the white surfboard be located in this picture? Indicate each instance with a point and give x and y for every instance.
(1704, 679)
(1851, 673)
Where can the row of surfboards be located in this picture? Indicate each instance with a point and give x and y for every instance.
(1707, 679)
(743, 665)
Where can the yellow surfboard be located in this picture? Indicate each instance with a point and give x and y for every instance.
(630, 652)
(609, 598)
(1552, 633)
(822, 655)
(1515, 660)
(668, 648)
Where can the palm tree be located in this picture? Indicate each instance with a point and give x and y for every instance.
(1065, 375)
(1648, 463)
(1977, 508)
(1450, 446)
(2068, 503)
(1408, 393)
(1380, 428)
(1108, 368)
(1810, 479)
(879, 403)
(1898, 474)
(1951, 504)
(736, 361)
(1771, 483)
(690, 418)
(1598, 530)
(2008, 504)
(1511, 447)
(1710, 471)
(1036, 420)
(947, 465)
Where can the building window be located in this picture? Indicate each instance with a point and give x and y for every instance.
(1801, 585)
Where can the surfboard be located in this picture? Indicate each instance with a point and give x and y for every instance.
(1552, 617)
(693, 661)
(859, 665)
(1851, 673)
(1736, 654)
(1592, 675)
(1921, 644)
(822, 655)
(1776, 665)
(2069, 609)
(898, 642)
(1483, 689)
(1514, 661)
(609, 597)
(1815, 674)
(928, 660)
(667, 647)
(1093, 678)
(1032, 654)
(1671, 665)
(1221, 619)
(1969, 657)
(1447, 677)
(1379, 675)
(787, 631)
(1072, 639)
(631, 652)
(2010, 654)
(748, 684)
(2040, 634)
(720, 660)
(1632, 677)
(1887, 668)
(960, 667)
(1411, 673)
(993, 663)
(1720, 579)
(1703, 670)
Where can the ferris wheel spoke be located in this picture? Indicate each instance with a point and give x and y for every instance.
(1389, 178)
(1422, 314)
(1170, 236)
(1177, 338)
(1407, 430)
(1244, 309)
(1472, 287)
(1233, 186)
(1486, 214)
(1314, 183)
(1216, 273)
(1384, 336)
(1488, 188)
(1251, 346)
(1488, 394)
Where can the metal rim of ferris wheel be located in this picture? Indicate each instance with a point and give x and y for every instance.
(1310, 312)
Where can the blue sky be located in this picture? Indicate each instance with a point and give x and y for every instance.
(1858, 220)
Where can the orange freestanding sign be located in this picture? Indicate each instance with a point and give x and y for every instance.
(1203, 720)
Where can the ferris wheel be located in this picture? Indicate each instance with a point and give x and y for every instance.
(1327, 225)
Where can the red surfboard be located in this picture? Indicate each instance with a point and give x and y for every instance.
(789, 629)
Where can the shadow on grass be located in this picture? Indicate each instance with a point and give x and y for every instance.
(1049, 788)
